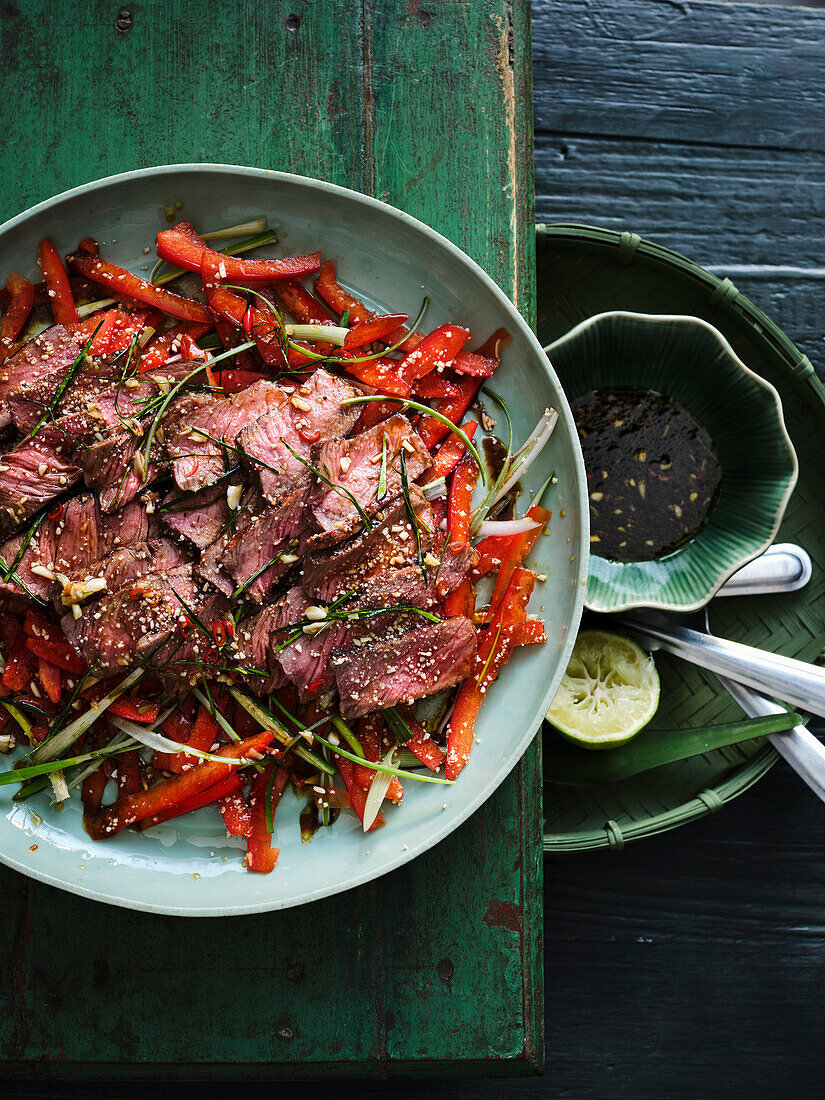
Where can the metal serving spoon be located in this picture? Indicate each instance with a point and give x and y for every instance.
(785, 678)
(782, 568)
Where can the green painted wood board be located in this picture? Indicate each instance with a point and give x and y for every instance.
(429, 109)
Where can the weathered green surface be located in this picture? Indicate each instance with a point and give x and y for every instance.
(436, 968)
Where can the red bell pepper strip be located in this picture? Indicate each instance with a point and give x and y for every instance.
(160, 349)
(90, 245)
(434, 385)
(370, 733)
(128, 773)
(260, 855)
(423, 746)
(432, 431)
(233, 381)
(357, 794)
(126, 282)
(97, 326)
(21, 300)
(447, 457)
(373, 413)
(91, 795)
(300, 303)
(436, 352)
(182, 247)
(383, 374)
(57, 282)
(236, 814)
(45, 639)
(339, 299)
(203, 736)
(231, 307)
(460, 503)
(171, 792)
(224, 788)
(377, 328)
(177, 727)
(20, 665)
(51, 678)
(461, 601)
(493, 653)
(135, 710)
(515, 555)
(530, 632)
(471, 363)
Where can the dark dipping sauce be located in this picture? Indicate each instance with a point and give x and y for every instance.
(652, 473)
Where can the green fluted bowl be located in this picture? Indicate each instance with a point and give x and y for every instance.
(690, 361)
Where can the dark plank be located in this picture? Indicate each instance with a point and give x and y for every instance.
(388, 978)
(718, 74)
(691, 964)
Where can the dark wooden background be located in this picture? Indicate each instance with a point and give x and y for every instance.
(692, 965)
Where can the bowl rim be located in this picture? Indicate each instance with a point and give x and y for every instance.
(481, 795)
(653, 320)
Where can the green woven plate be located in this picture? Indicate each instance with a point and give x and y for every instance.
(583, 271)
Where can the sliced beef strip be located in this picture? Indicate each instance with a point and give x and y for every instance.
(197, 459)
(39, 553)
(278, 532)
(109, 467)
(425, 660)
(210, 567)
(125, 627)
(129, 563)
(254, 650)
(329, 573)
(200, 518)
(312, 413)
(51, 353)
(34, 473)
(97, 389)
(355, 465)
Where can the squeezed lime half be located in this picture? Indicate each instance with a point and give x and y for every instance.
(608, 693)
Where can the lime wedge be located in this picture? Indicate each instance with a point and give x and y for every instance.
(609, 692)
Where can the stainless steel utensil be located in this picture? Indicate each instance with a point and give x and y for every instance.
(782, 568)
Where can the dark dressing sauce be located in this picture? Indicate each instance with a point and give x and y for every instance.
(652, 473)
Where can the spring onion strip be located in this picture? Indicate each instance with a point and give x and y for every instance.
(399, 727)
(349, 736)
(236, 249)
(59, 787)
(255, 225)
(57, 744)
(269, 722)
(35, 786)
(526, 455)
(378, 788)
(380, 767)
(484, 508)
(382, 477)
(17, 775)
(118, 742)
(9, 572)
(19, 717)
(152, 740)
(88, 308)
(506, 527)
(435, 490)
(409, 404)
(331, 334)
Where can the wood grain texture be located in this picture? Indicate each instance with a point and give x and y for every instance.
(691, 964)
(387, 978)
